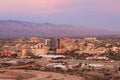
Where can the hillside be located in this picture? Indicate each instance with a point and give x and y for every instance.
(26, 29)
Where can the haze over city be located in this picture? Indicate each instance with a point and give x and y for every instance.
(59, 40)
(100, 14)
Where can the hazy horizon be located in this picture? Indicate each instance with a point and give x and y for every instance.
(100, 14)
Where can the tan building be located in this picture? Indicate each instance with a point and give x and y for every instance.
(23, 55)
(37, 52)
(58, 51)
(34, 39)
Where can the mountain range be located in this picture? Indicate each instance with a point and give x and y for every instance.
(14, 28)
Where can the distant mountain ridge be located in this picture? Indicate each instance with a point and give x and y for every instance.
(15, 28)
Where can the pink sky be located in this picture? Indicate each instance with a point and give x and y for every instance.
(63, 11)
(33, 7)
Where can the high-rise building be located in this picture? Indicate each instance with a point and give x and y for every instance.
(48, 43)
(58, 43)
(53, 43)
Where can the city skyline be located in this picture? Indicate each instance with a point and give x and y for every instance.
(59, 40)
(101, 14)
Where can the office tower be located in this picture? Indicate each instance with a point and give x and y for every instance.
(48, 43)
(53, 43)
(58, 43)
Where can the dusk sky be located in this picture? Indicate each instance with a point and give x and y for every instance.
(104, 14)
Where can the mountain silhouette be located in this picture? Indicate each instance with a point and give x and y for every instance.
(14, 28)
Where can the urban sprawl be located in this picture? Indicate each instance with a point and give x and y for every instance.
(89, 57)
